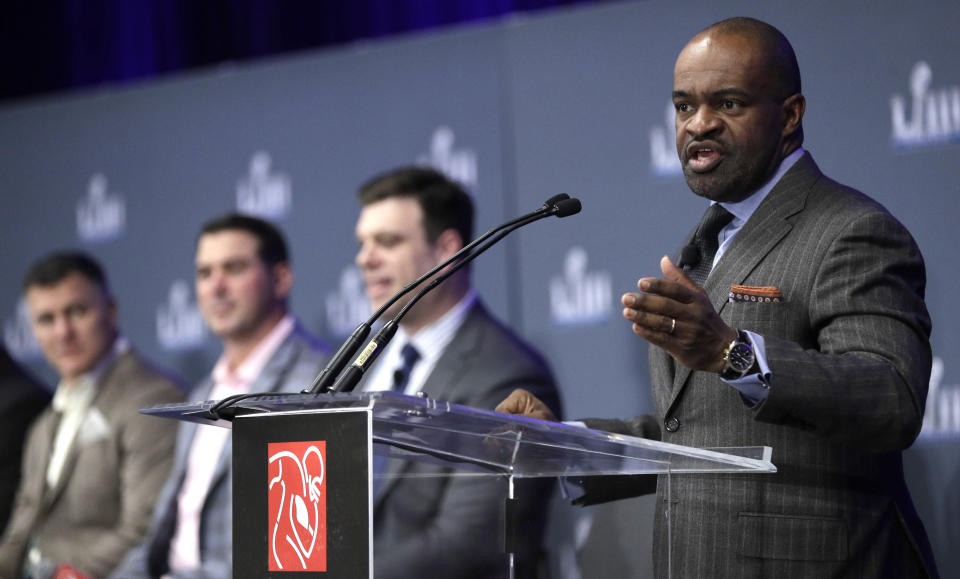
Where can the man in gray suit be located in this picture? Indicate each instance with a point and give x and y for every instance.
(243, 281)
(92, 465)
(451, 348)
(800, 324)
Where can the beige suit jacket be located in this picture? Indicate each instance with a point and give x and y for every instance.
(102, 504)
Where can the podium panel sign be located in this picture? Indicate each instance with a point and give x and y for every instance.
(301, 505)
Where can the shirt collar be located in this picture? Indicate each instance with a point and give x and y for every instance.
(257, 359)
(742, 210)
(435, 337)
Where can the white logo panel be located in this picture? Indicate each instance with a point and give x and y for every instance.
(347, 307)
(180, 324)
(18, 335)
(458, 164)
(580, 296)
(663, 147)
(934, 115)
(942, 418)
(260, 192)
(101, 215)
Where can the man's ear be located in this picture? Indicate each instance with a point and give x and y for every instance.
(448, 243)
(793, 109)
(282, 279)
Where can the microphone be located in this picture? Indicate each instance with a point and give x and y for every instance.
(689, 256)
(561, 203)
(563, 207)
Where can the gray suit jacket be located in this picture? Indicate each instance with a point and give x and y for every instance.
(102, 504)
(449, 527)
(291, 369)
(850, 357)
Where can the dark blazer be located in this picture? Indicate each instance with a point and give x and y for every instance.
(102, 503)
(451, 527)
(22, 398)
(849, 352)
(292, 368)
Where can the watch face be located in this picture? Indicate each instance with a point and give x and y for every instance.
(741, 357)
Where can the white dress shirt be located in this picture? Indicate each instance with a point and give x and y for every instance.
(430, 342)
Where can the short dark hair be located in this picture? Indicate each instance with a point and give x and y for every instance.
(272, 245)
(445, 204)
(55, 267)
(774, 44)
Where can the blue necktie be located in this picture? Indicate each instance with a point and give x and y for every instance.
(401, 376)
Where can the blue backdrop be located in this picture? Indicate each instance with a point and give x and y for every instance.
(572, 101)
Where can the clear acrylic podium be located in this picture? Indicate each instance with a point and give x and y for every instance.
(475, 442)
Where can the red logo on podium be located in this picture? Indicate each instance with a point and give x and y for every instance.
(297, 506)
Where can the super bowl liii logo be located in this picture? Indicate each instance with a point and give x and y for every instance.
(580, 296)
(18, 335)
(664, 161)
(457, 164)
(934, 114)
(942, 418)
(263, 193)
(101, 215)
(347, 306)
(180, 324)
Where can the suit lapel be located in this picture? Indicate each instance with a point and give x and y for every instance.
(440, 383)
(768, 225)
(449, 370)
(111, 380)
(270, 379)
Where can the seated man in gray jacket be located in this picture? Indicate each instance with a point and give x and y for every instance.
(243, 280)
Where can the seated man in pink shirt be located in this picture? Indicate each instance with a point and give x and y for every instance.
(243, 281)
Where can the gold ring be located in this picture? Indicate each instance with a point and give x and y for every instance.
(673, 325)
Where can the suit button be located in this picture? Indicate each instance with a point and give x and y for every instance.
(671, 424)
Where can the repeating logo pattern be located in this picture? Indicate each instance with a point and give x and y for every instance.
(297, 506)
(663, 149)
(580, 297)
(18, 335)
(459, 165)
(101, 215)
(934, 115)
(942, 417)
(180, 324)
(263, 193)
(347, 307)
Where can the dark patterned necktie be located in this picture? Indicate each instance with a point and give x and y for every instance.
(715, 219)
(401, 376)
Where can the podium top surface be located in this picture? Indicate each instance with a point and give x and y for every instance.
(485, 441)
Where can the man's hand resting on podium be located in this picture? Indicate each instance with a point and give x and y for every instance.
(525, 404)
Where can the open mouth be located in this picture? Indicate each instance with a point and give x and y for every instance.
(702, 158)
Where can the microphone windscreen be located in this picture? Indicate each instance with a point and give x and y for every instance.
(568, 207)
(555, 199)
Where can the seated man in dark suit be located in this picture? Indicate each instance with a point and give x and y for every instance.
(451, 348)
(93, 465)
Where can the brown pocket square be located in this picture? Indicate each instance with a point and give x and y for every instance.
(753, 293)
